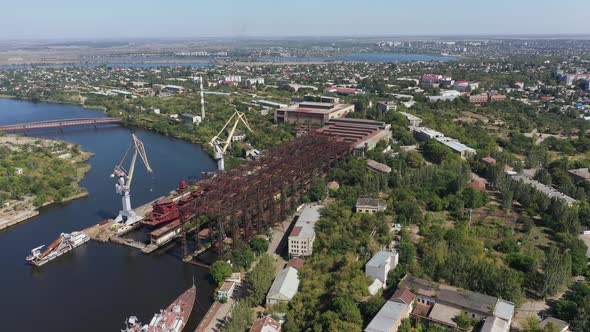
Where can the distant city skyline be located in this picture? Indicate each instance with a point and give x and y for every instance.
(68, 19)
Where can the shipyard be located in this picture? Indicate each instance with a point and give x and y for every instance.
(247, 167)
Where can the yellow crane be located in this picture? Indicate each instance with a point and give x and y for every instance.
(124, 178)
(220, 145)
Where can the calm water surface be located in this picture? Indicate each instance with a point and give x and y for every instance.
(96, 286)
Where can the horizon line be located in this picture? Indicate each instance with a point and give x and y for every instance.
(367, 36)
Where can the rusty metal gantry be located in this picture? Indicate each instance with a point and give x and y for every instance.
(254, 195)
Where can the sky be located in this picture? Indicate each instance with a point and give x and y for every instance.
(91, 19)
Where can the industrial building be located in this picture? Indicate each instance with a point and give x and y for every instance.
(369, 205)
(414, 120)
(380, 265)
(270, 104)
(463, 150)
(312, 112)
(386, 106)
(190, 118)
(363, 135)
(544, 189)
(439, 304)
(424, 134)
(389, 317)
(284, 287)
(342, 91)
(303, 233)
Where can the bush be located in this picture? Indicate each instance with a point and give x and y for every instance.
(220, 271)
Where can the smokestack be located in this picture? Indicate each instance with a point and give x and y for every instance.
(202, 100)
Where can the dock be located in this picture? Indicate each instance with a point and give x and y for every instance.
(105, 230)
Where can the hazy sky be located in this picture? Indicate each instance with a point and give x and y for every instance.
(245, 18)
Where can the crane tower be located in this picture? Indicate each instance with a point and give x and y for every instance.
(124, 178)
(220, 145)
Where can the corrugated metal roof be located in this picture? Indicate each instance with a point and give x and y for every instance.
(387, 317)
(504, 310)
(286, 284)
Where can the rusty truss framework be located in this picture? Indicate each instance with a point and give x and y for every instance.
(246, 200)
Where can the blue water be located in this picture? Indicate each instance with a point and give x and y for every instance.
(196, 62)
(96, 286)
(365, 57)
(107, 64)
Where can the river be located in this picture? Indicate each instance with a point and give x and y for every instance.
(196, 62)
(96, 286)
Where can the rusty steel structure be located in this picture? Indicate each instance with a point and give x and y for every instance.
(246, 200)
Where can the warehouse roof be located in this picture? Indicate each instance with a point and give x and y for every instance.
(387, 317)
(286, 283)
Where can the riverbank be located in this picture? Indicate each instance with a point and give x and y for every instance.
(14, 211)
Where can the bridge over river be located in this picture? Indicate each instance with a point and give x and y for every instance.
(59, 124)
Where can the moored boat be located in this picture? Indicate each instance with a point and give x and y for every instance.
(173, 319)
(63, 244)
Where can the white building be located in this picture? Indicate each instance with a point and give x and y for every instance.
(226, 291)
(424, 133)
(457, 146)
(386, 106)
(233, 78)
(190, 118)
(255, 81)
(284, 287)
(414, 120)
(380, 265)
(303, 234)
(369, 205)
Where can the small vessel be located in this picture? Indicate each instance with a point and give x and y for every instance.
(64, 243)
(173, 319)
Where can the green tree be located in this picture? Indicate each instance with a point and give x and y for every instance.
(464, 321)
(436, 152)
(557, 271)
(259, 245)
(261, 278)
(220, 271)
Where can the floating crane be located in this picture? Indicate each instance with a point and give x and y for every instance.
(220, 145)
(124, 178)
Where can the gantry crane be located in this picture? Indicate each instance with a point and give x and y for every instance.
(124, 178)
(220, 145)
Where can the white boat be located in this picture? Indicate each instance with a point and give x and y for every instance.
(64, 243)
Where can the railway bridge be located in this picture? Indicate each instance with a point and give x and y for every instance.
(59, 124)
